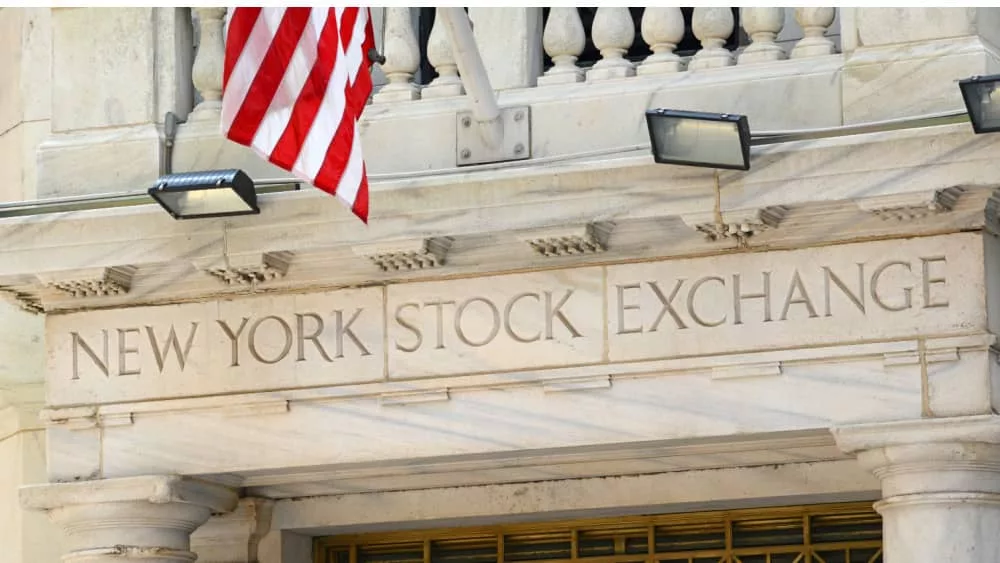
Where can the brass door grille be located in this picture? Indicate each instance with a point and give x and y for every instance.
(831, 533)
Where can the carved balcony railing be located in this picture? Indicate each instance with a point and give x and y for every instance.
(578, 44)
(594, 44)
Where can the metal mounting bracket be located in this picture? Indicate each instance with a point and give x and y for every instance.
(472, 143)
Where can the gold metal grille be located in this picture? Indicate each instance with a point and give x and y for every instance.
(831, 533)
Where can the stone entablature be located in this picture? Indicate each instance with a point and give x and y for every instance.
(578, 317)
(430, 227)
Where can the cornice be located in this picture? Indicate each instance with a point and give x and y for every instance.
(481, 220)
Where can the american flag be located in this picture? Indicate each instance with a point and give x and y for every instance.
(295, 82)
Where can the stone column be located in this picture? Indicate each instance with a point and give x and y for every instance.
(148, 518)
(940, 486)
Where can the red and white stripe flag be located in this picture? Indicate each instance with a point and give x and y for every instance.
(294, 85)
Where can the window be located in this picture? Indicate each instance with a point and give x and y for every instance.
(832, 533)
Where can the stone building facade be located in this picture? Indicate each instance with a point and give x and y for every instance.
(571, 354)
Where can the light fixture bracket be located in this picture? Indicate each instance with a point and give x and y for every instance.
(206, 194)
(476, 145)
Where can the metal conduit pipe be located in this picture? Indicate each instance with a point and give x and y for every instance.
(473, 73)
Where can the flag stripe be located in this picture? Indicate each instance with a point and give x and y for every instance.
(292, 84)
(237, 34)
(343, 158)
(296, 81)
(247, 62)
(270, 75)
(307, 105)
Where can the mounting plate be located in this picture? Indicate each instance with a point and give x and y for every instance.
(471, 147)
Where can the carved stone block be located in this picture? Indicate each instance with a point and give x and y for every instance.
(418, 254)
(908, 207)
(97, 282)
(588, 239)
(737, 224)
(24, 300)
(249, 270)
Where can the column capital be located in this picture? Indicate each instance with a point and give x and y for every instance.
(855, 438)
(940, 485)
(146, 518)
(934, 455)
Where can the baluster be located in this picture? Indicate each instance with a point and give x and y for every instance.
(613, 34)
(814, 22)
(712, 26)
(662, 29)
(442, 58)
(206, 72)
(563, 40)
(763, 26)
(402, 58)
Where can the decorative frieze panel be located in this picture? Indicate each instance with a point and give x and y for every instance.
(407, 255)
(912, 206)
(588, 239)
(737, 224)
(24, 300)
(249, 270)
(595, 317)
(100, 282)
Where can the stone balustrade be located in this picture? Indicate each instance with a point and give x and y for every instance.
(563, 37)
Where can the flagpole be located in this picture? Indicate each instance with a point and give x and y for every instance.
(485, 110)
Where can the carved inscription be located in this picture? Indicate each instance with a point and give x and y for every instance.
(267, 339)
(127, 348)
(685, 303)
(239, 345)
(499, 323)
(530, 321)
(545, 308)
(776, 300)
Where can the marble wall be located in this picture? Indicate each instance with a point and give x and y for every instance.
(25, 97)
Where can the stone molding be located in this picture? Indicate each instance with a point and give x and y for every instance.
(418, 254)
(95, 282)
(591, 238)
(26, 301)
(739, 224)
(249, 270)
(861, 437)
(155, 489)
(645, 205)
(233, 537)
(129, 519)
(912, 206)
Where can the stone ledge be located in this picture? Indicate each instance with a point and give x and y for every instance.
(155, 489)
(860, 437)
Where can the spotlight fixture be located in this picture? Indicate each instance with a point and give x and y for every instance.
(198, 195)
(692, 138)
(982, 101)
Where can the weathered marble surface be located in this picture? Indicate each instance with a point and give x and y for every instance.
(496, 323)
(762, 300)
(543, 320)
